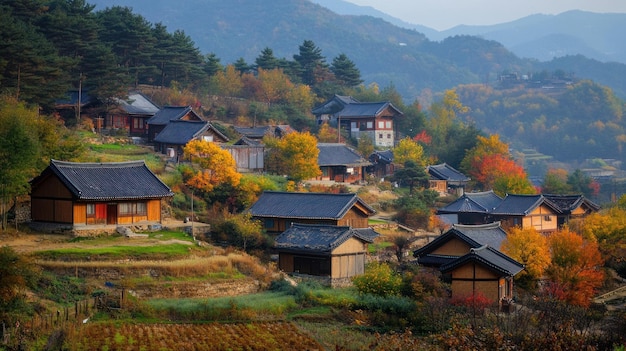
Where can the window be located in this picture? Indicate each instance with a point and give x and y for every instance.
(132, 208)
(208, 138)
(370, 125)
(388, 136)
(91, 210)
(125, 208)
(269, 223)
(547, 218)
(380, 136)
(311, 265)
(388, 124)
(381, 124)
(142, 208)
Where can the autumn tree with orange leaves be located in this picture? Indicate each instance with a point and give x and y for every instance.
(576, 269)
(530, 248)
(217, 166)
(491, 167)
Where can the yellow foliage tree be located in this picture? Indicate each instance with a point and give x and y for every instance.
(229, 81)
(217, 165)
(327, 134)
(409, 150)
(529, 247)
(294, 155)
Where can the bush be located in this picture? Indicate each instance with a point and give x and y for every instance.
(379, 279)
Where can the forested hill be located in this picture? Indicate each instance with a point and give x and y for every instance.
(383, 52)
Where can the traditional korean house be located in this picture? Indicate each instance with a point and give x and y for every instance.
(468, 257)
(373, 119)
(572, 207)
(470, 208)
(527, 211)
(88, 194)
(446, 180)
(382, 163)
(133, 114)
(332, 254)
(340, 163)
(279, 210)
(167, 114)
(173, 138)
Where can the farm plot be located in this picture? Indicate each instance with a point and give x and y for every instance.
(212, 336)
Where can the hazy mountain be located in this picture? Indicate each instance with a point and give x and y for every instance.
(542, 37)
(385, 53)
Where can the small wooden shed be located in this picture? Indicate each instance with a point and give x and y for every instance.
(87, 194)
(331, 253)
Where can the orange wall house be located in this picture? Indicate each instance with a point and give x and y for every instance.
(86, 194)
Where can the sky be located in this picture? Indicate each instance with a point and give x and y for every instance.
(445, 14)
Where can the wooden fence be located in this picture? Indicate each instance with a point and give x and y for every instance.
(14, 332)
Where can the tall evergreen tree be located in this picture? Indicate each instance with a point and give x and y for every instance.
(312, 63)
(266, 60)
(345, 71)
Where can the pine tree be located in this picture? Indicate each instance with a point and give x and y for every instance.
(312, 63)
(345, 71)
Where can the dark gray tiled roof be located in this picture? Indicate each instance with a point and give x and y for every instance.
(489, 257)
(277, 204)
(334, 154)
(568, 203)
(481, 202)
(475, 236)
(244, 140)
(316, 238)
(333, 105)
(383, 155)
(181, 132)
(254, 133)
(110, 181)
(522, 205)
(365, 109)
(444, 171)
(138, 104)
(169, 113)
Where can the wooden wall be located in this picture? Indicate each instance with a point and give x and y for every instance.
(471, 278)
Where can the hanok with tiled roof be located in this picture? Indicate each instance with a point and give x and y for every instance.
(333, 253)
(132, 113)
(279, 210)
(470, 208)
(373, 119)
(340, 163)
(445, 179)
(178, 133)
(455, 251)
(256, 134)
(572, 206)
(457, 241)
(485, 270)
(167, 114)
(84, 194)
(382, 163)
(527, 211)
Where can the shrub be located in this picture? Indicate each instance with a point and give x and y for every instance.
(379, 279)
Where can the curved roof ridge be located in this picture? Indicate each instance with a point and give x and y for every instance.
(491, 225)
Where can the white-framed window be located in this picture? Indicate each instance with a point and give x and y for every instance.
(381, 124)
(388, 124)
(91, 210)
(370, 125)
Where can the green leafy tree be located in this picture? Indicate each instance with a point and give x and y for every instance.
(555, 182)
(19, 151)
(411, 175)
